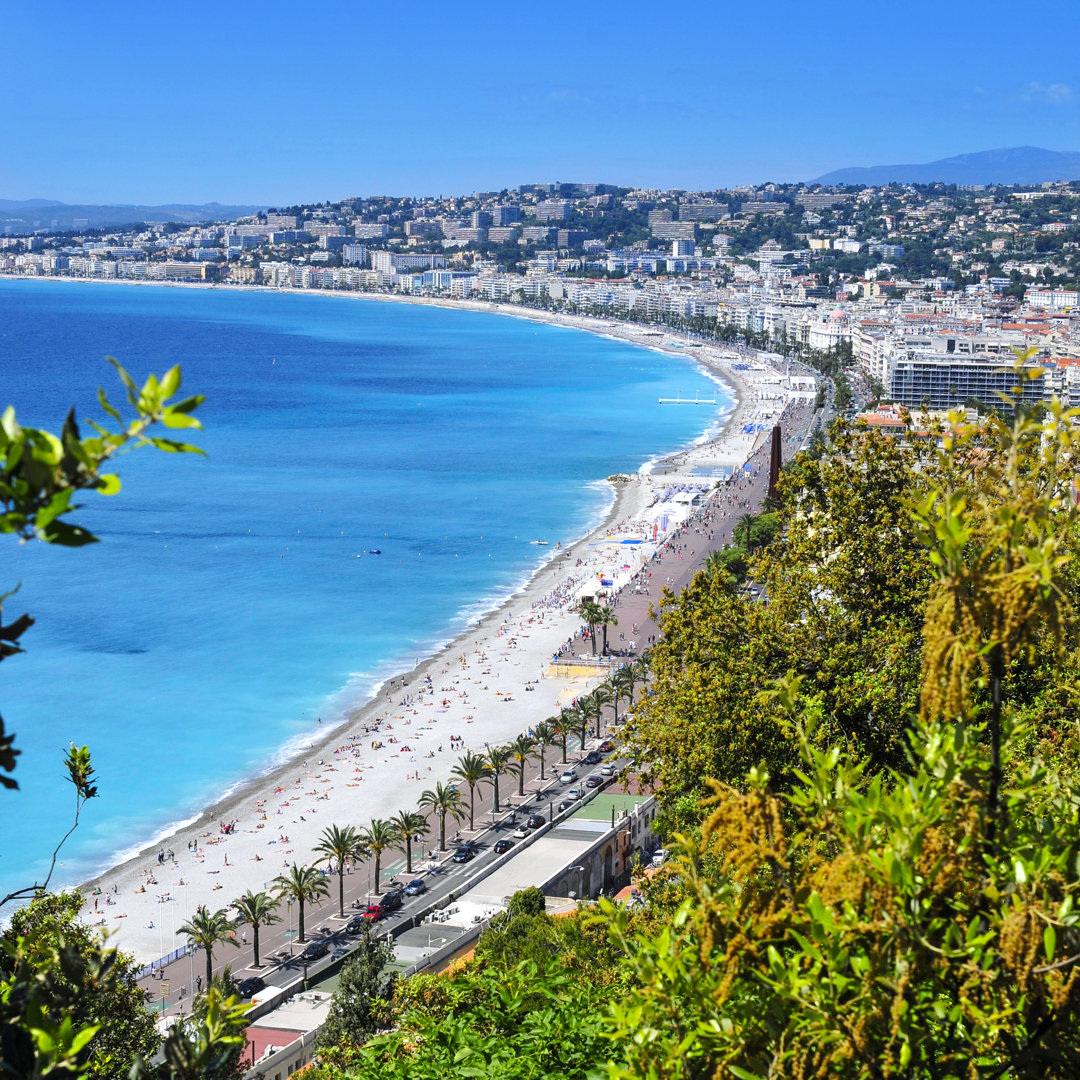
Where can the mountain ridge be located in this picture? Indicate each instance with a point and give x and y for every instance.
(1009, 165)
(25, 215)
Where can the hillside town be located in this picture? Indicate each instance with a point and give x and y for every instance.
(924, 287)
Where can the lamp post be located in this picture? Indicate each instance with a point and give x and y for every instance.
(581, 870)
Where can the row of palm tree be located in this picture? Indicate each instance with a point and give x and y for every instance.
(340, 845)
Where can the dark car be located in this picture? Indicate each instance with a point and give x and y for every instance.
(565, 805)
(463, 853)
(592, 757)
(314, 949)
(416, 887)
(355, 925)
(536, 821)
(339, 952)
(390, 902)
(594, 781)
(251, 986)
(502, 846)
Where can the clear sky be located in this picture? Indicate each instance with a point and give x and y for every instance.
(274, 103)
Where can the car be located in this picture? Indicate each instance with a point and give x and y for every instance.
(564, 805)
(416, 887)
(374, 912)
(339, 952)
(355, 924)
(536, 821)
(520, 832)
(393, 900)
(594, 781)
(608, 770)
(568, 777)
(574, 794)
(606, 747)
(314, 949)
(251, 986)
(592, 757)
(503, 846)
(463, 854)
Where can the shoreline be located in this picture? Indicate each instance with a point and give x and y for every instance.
(248, 799)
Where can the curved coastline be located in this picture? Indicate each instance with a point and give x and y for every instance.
(628, 499)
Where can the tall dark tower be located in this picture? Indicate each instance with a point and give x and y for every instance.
(774, 461)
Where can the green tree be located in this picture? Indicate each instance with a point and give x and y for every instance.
(93, 989)
(302, 885)
(498, 760)
(607, 618)
(338, 845)
(592, 613)
(521, 749)
(258, 910)
(441, 800)
(361, 1003)
(746, 523)
(471, 769)
(376, 838)
(601, 696)
(546, 734)
(206, 929)
(407, 824)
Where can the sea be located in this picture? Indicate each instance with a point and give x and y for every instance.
(234, 608)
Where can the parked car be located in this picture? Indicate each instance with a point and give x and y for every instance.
(568, 777)
(536, 821)
(606, 747)
(574, 794)
(504, 845)
(608, 770)
(416, 887)
(463, 854)
(251, 986)
(314, 949)
(355, 924)
(594, 781)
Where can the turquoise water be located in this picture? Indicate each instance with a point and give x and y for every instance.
(230, 603)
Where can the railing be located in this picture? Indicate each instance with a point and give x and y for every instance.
(164, 961)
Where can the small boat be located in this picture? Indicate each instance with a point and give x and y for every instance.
(374, 551)
(539, 543)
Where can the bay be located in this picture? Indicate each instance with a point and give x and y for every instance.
(232, 602)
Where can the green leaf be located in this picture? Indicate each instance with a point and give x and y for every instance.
(110, 484)
(1049, 943)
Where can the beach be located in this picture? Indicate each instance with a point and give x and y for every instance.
(493, 681)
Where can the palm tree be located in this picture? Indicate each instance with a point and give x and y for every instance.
(607, 618)
(622, 685)
(601, 696)
(259, 909)
(442, 800)
(746, 523)
(471, 769)
(206, 929)
(498, 761)
(592, 613)
(377, 837)
(546, 734)
(586, 709)
(566, 718)
(521, 749)
(406, 824)
(340, 845)
(301, 885)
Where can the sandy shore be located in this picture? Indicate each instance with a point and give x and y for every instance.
(490, 683)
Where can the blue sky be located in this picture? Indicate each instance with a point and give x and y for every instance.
(276, 103)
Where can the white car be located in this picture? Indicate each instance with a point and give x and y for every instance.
(608, 770)
(568, 777)
(520, 833)
(574, 793)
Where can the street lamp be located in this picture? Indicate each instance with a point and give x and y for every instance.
(580, 869)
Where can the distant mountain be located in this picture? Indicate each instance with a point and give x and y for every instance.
(1016, 165)
(27, 215)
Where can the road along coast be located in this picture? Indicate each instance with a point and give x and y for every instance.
(491, 682)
